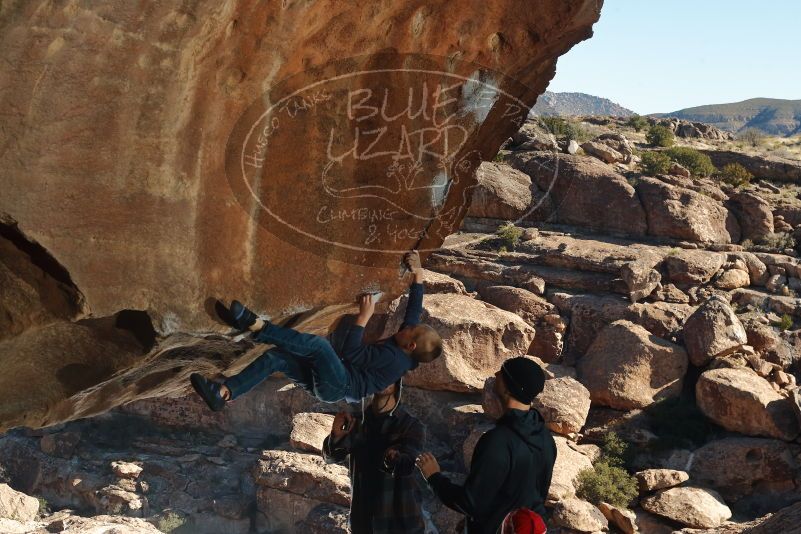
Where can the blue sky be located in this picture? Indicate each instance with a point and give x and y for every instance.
(659, 56)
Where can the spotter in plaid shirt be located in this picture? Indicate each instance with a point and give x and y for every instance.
(382, 447)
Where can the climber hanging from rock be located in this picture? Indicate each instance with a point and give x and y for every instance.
(330, 368)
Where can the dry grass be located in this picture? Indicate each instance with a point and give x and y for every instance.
(783, 147)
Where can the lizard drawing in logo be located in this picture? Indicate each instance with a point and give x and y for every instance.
(405, 176)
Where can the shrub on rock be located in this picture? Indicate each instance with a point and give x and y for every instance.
(659, 136)
(637, 122)
(751, 136)
(653, 163)
(606, 483)
(564, 128)
(735, 174)
(697, 162)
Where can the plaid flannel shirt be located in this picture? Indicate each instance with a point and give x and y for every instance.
(385, 498)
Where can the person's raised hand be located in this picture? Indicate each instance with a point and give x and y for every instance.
(427, 464)
(366, 309)
(412, 262)
(366, 305)
(343, 425)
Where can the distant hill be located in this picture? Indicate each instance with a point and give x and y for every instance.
(571, 104)
(771, 115)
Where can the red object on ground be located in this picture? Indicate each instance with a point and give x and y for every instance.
(523, 521)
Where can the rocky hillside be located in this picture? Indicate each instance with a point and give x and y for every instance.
(577, 104)
(773, 116)
(665, 308)
(660, 287)
(143, 154)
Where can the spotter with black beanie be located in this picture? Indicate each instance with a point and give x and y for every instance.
(512, 463)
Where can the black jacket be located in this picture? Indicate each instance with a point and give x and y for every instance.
(385, 498)
(511, 468)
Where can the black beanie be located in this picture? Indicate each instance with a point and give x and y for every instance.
(523, 378)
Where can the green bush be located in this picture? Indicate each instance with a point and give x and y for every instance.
(699, 164)
(606, 483)
(659, 136)
(555, 125)
(608, 480)
(498, 157)
(786, 322)
(735, 174)
(653, 163)
(510, 236)
(637, 122)
(563, 128)
(575, 131)
(613, 449)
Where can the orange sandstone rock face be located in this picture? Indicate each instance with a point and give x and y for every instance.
(285, 153)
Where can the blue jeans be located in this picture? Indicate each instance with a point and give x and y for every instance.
(308, 360)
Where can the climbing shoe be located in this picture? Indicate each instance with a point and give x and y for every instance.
(209, 391)
(237, 316)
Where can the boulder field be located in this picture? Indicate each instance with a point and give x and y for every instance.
(665, 309)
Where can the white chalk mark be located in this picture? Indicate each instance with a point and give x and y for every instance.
(479, 96)
(439, 187)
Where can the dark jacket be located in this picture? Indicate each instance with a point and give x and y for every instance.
(385, 498)
(375, 366)
(511, 468)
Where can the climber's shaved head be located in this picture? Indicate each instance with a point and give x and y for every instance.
(422, 342)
